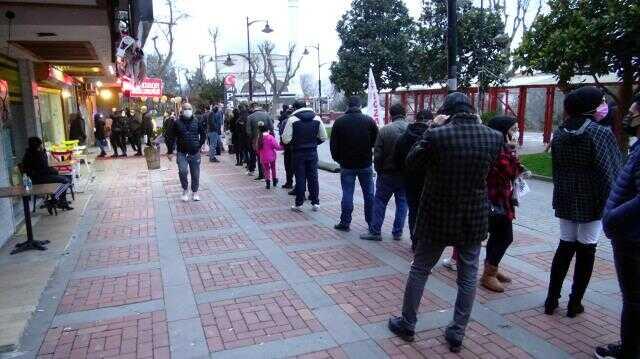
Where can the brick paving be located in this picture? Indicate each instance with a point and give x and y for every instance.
(231, 273)
(272, 276)
(110, 291)
(257, 319)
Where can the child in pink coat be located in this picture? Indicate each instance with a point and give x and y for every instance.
(267, 147)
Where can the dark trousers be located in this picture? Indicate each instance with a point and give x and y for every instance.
(500, 238)
(62, 200)
(413, 204)
(171, 146)
(115, 143)
(136, 143)
(627, 260)
(585, 257)
(305, 166)
(253, 160)
(288, 164)
(239, 153)
(122, 143)
(348, 183)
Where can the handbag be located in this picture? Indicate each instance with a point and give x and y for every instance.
(520, 189)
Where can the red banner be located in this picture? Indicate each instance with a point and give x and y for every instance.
(150, 87)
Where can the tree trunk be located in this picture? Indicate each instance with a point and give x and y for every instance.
(625, 94)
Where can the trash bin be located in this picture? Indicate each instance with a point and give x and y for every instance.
(152, 155)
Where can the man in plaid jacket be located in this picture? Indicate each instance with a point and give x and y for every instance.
(454, 209)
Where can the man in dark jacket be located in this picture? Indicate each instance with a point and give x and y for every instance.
(304, 132)
(214, 127)
(413, 181)
(189, 134)
(76, 128)
(36, 166)
(101, 133)
(352, 138)
(621, 225)
(167, 124)
(453, 210)
(147, 125)
(390, 181)
(288, 165)
(119, 133)
(258, 114)
(135, 132)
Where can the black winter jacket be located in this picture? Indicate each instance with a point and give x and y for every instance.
(36, 165)
(189, 134)
(101, 132)
(76, 130)
(414, 179)
(352, 138)
(620, 221)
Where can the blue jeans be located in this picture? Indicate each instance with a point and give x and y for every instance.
(102, 144)
(387, 186)
(214, 137)
(426, 257)
(348, 183)
(189, 164)
(305, 167)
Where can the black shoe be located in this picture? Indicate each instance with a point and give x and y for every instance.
(371, 237)
(287, 185)
(610, 351)
(396, 328)
(275, 183)
(103, 154)
(138, 154)
(268, 185)
(123, 155)
(115, 155)
(455, 346)
(574, 308)
(214, 160)
(342, 227)
(259, 178)
(292, 193)
(238, 164)
(550, 306)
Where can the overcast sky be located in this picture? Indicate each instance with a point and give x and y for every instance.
(315, 22)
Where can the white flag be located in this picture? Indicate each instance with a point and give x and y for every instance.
(373, 101)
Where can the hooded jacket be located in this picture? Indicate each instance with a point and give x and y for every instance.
(304, 130)
(383, 152)
(585, 162)
(414, 179)
(352, 139)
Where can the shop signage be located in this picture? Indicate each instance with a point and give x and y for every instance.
(149, 87)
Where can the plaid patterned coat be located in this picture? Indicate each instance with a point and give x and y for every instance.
(456, 157)
(586, 160)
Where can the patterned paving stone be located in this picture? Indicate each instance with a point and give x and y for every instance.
(248, 192)
(126, 214)
(375, 299)
(118, 255)
(324, 261)
(187, 225)
(260, 203)
(602, 269)
(525, 239)
(111, 291)
(231, 273)
(126, 192)
(215, 244)
(577, 336)
(179, 208)
(333, 353)
(279, 216)
(131, 337)
(303, 234)
(257, 319)
(124, 202)
(479, 342)
(522, 283)
(204, 195)
(117, 231)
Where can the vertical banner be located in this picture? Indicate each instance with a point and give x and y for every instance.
(373, 101)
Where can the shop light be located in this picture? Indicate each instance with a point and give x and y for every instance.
(98, 83)
(106, 94)
(66, 94)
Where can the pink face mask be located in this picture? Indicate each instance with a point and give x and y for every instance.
(601, 112)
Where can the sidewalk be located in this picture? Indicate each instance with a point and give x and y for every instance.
(238, 275)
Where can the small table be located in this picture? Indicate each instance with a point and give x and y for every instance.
(36, 190)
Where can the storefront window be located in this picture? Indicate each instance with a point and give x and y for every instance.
(51, 115)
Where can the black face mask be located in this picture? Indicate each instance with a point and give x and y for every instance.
(627, 127)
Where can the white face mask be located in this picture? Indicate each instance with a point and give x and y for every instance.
(187, 113)
(123, 114)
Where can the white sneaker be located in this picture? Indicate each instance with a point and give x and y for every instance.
(185, 196)
(196, 197)
(296, 208)
(450, 264)
(315, 207)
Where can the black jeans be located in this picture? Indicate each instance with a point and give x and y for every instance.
(136, 143)
(500, 238)
(627, 261)
(288, 164)
(305, 164)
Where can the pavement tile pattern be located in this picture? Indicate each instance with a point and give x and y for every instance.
(238, 274)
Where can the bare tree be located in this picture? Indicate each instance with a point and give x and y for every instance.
(167, 31)
(309, 85)
(519, 21)
(214, 32)
(278, 79)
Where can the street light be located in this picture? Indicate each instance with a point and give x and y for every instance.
(229, 62)
(267, 30)
(306, 52)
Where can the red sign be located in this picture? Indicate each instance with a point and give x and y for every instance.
(149, 87)
(230, 80)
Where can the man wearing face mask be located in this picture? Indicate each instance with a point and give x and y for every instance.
(189, 135)
(621, 225)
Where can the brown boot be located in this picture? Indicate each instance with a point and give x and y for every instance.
(503, 278)
(489, 279)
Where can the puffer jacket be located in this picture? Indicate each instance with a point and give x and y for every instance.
(620, 221)
(384, 149)
(189, 134)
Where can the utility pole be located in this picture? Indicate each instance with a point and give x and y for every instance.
(481, 74)
(452, 45)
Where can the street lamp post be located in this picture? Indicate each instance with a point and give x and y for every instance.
(452, 45)
(266, 30)
(306, 52)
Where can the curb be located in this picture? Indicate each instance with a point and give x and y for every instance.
(328, 166)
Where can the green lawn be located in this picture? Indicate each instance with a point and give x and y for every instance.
(538, 163)
(328, 129)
